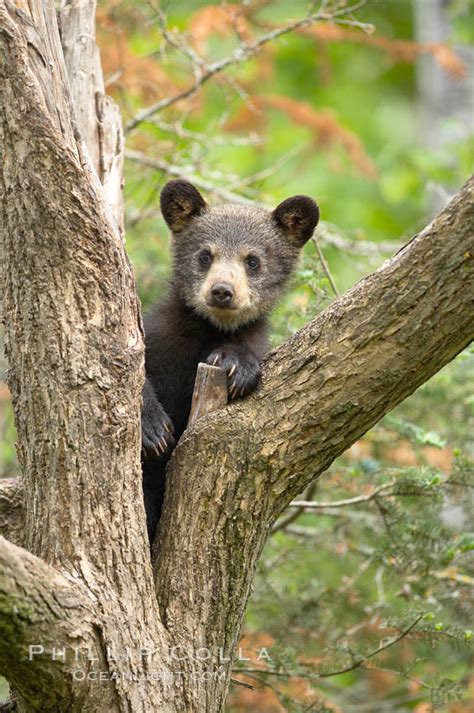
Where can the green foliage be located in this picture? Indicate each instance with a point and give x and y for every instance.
(414, 433)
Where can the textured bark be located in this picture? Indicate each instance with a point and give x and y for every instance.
(76, 369)
(12, 510)
(210, 394)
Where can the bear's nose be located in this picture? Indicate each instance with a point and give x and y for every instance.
(222, 294)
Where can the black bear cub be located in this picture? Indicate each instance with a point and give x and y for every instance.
(230, 265)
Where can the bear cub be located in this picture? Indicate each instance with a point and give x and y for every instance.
(230, 265)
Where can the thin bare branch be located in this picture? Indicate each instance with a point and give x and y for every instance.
(208, 138)
(236, 682)
(314, 505)
(283, 523)
(179, 172)
(382, 647)
(325, 266)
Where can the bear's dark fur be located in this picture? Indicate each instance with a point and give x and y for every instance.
(231, 263)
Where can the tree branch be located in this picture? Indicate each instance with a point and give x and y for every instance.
(172, 170)
(321, 390)
(44, 620)
(346, 502)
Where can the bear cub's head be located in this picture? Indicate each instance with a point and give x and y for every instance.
(232, 261)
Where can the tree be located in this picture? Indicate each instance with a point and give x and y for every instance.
(440, 99)
(88, 623)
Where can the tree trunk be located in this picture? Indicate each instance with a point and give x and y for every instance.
(75, 349)
(445, 105)
(83, 581)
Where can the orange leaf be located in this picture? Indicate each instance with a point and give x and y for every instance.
(399, 50)
(217, 20)
(325, 128)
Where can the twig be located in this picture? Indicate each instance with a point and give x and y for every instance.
(179, 172)
(325, 267)
(316, 533)
(331, 236)
(225, 193)
(242, 53)
(356, 664)
(314, 505)
(374, 652)
(180, 44)
(402, 674)
(269, 171)
(182, 133)
(242, 683)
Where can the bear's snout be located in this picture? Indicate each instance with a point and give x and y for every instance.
(222, 294)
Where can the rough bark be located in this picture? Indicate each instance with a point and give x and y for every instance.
(12, 510)
(76, 368)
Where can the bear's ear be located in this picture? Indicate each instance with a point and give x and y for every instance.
(297, 217)
(180, 202)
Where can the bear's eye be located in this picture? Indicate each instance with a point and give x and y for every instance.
(253, 262)
(205, 257)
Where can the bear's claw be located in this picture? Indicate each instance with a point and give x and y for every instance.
(157, 432)
(242, 367)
